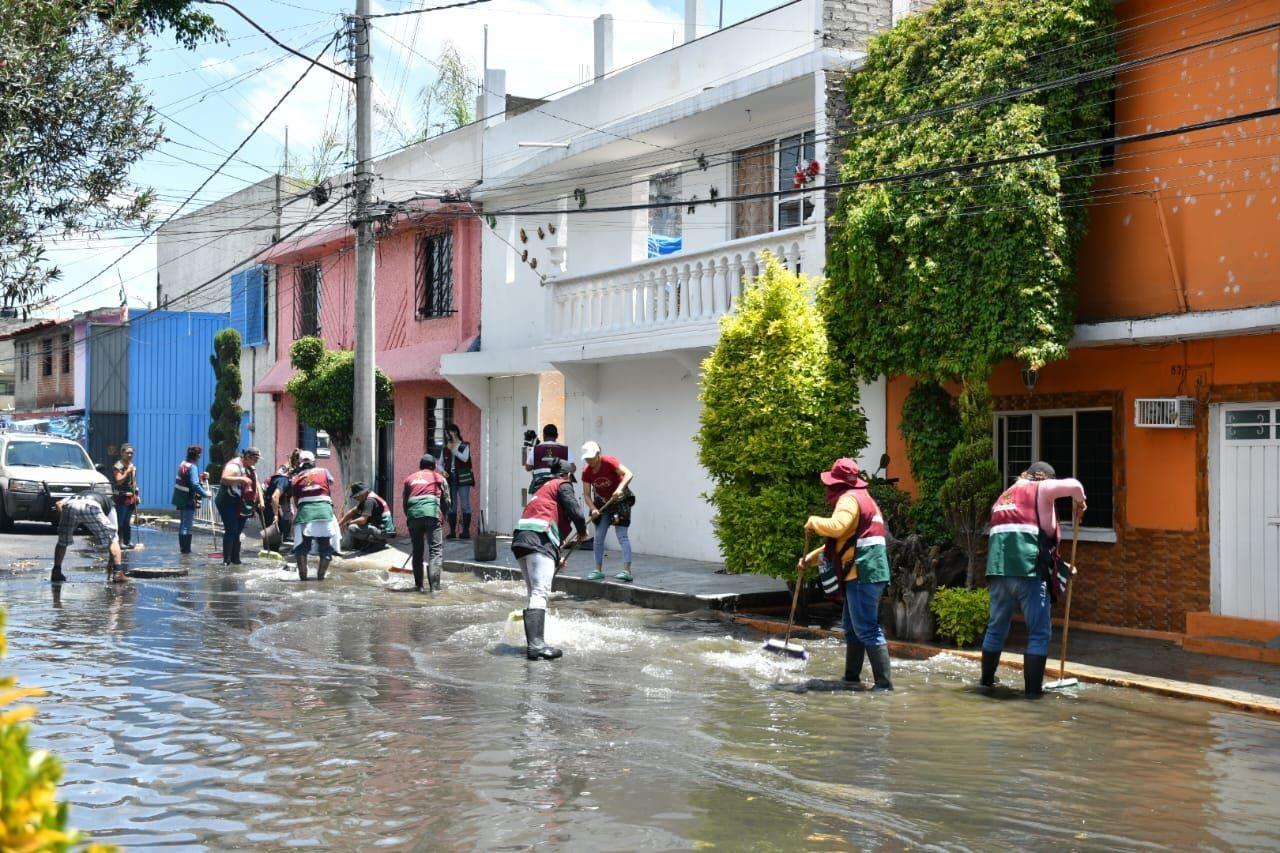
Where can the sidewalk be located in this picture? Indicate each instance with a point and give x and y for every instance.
(661, 583)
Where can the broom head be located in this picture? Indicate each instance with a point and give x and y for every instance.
(786, 649)
(1062, 683)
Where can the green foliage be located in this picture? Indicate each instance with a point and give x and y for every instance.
(776, 410)
(961, 614)
(946, 276)
(224, 429)
(931, 427)
(895, 507)
(973, 482)
(73, 122)
(324, 387)
(31, 818)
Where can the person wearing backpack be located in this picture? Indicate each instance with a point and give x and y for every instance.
(854, 542)
(1024, 527)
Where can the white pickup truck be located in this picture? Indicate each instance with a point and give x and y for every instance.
(37, 471)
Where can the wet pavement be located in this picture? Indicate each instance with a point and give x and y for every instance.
(241, 709)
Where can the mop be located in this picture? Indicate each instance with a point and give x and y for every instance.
(784, 646)
(1061, 681)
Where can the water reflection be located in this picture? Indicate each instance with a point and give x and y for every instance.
(246, 709)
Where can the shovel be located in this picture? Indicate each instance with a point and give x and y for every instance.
(1061, 681)
(784, 646)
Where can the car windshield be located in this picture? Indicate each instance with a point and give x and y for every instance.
(47, 454)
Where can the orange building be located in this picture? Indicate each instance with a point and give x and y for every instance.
(1179, 301)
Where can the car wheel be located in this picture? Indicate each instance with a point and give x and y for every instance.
(6, 523)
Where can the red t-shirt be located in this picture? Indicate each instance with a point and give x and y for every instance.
(604, 479)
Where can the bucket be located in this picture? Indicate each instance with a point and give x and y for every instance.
(486, 543)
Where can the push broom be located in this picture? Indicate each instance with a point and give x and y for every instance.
(785, 647)
(1062, 681)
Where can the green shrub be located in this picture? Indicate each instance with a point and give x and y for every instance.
(776, 411)
(224, 426)
(895, 507)
(961, 614)
(974, 480)
(931, 428)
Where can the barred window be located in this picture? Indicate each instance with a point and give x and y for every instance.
(439, 414)
(306, 316)
(434, 271)
(66, 353)
(46, 357)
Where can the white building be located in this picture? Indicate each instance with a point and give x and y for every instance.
(727, 114)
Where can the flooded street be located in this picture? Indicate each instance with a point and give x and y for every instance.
(242, 709)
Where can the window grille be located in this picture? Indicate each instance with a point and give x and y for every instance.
(66, 353)
(438, 415)
(46, 357)
(434, 275)
(308, 281)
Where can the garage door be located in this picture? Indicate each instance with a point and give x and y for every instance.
(1249, 506)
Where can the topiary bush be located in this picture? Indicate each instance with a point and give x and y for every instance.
(973, 480)
(224, 429)
(776, 411)
(930, 426)
(31, 818)
(961, 614)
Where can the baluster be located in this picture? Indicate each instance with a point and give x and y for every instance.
(682, 275)
(723, 295)
(628, 302)
(695, 291)
(735, 280)
(673, 293)
(650, 295)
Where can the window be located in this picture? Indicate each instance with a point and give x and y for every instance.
(248, 305)
(6, 388)
(307, 283)
(438, 415)
(1076, 443)
(792, 152)
(66, 353)
(46, 357)
(24, 361)
(434, 270)
(306, 437)
(665, 235)
(1252, 424)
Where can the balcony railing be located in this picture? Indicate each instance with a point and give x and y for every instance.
(682, 290)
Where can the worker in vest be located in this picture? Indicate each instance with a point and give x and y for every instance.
(237, 486)
(854, 542)
(188, 491)
(536, 545)
(1024, 524)
(369, 525)
(279, 509)
(313, 519)
(542, 455)
(425, 501)
(603, 478)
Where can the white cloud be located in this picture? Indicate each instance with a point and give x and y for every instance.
(221, 67)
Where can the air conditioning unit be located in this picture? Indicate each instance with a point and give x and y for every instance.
(1165, 412)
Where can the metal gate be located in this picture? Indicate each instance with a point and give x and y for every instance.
(1247, 490)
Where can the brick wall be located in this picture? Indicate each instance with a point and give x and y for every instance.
(847, 25)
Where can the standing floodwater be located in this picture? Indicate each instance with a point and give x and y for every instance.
(240, 708)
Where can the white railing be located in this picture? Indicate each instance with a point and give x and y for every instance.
(676, 290)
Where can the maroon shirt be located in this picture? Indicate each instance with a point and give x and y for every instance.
(605, 478)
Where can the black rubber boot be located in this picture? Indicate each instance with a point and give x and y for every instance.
(466, 526)
(879, 657)
(302, 570)
(56, 576)
(184, 543)
(321, 568)
(417, 576)
(536, 649)
(990, 661)
(1033, 675)
(453, 527)
(854, 652)
(433, 577)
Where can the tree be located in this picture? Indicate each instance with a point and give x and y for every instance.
(73, 122)
(326, 156)
(973, 480)
(224, 431)
(446, 103)
(322, 392)
(776, 411)
(944, 277)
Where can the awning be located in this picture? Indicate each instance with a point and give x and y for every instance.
(419, 363)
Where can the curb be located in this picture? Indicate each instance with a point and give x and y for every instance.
(1239, 699)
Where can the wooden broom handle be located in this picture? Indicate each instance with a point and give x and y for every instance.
(795, 596)
(1066, 616)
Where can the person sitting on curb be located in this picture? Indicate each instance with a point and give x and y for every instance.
(426, 496)
(313, 520)
(1024, 524)
(855, 543)
(536, 545)
(369, 525)
(188, 491)
(603, 478)
(97, 515)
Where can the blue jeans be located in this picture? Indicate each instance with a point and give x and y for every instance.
(124, 517)
(862, 612)
(460, 500)
(1031, 596)
(232, 527)
(186, 520)
(603, 523)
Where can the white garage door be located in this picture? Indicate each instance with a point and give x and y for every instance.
(1249, 510)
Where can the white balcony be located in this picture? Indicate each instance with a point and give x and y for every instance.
(669, 303)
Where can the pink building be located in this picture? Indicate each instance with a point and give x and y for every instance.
(428, 304)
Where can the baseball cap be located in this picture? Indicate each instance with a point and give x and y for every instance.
(306, 456)
(427, 461)
(358, 488)
(1042, 468)
(590, 450)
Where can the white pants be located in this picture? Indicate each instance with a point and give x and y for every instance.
(539, 571)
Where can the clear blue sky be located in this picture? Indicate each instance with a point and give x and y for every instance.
(210, 98)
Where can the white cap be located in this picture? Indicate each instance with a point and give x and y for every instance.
(306, 456)
(590, 450)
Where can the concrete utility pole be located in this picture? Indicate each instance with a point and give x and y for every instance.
(364, 428)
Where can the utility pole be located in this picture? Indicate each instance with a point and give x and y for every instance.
(364, 428)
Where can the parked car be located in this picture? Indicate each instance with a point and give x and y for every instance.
(37, 471)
